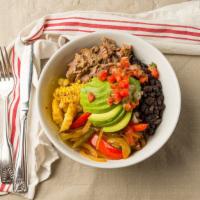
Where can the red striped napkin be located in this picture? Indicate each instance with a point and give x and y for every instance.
(173, 29)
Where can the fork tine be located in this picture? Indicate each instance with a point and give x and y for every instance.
(8, 66)
(2, 65)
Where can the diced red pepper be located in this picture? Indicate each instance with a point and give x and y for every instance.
(124, 92)
(111, 79)
(91, 97)
(136, 73)
(117, 97)
(143, 79)
(127, 107)
(125, 62)
(106, 149)
(118, 77)
(103, 75)
(114, 86)
(80, 121)
(110, 100)
(134, 105)
(154, 71)
(124, 84)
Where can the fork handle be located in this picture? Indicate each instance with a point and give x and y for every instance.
(20, 177)
(6, 149)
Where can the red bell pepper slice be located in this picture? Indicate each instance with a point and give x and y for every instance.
(106, 149)
(140, 127)
(80, 121)
(137, 127)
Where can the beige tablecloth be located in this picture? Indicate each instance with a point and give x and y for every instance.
(171, 174)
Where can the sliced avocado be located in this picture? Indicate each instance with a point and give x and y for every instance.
(117, 119)
(97, 84)
(98, 102)
(99, 106)
(120, 125)
(114, 121)
(99, 95)
(94, 89)
(101, 91)
(99, 109)
(106, 117)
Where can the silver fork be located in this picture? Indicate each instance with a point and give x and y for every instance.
(6, 87)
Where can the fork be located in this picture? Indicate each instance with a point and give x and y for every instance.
(6, 87)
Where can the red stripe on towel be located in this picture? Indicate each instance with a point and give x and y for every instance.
(143, 35)
(123, 21)
(126, 28)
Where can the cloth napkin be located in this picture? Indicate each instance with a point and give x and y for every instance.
(174, 29)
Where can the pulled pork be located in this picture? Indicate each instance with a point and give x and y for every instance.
(88, 61)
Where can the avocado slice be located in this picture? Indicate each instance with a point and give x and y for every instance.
(117, 119)
(95, 82)
(94, 89)
(99, 96)
(101, 90)
(106, 117)
(98, 102)
(98, 109)
(120, 125)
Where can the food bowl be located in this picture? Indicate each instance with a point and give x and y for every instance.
(56, 68)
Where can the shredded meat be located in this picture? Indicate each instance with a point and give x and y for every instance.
(88, 61)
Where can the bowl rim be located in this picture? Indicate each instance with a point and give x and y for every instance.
(88, 162)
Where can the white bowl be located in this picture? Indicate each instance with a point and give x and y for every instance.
(56, 68)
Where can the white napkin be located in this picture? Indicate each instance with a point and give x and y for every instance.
(173, 29)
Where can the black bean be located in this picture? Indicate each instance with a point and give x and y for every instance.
(143, 107)
(151, 109)
(156, 107)
(157, 122)
(156, 89)
(149, 100)
(159, 102)
(160, 97)
(152, 104)
(150, 132)
(152, 82)
(147, 89)
(152, 94)
(146, 112)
